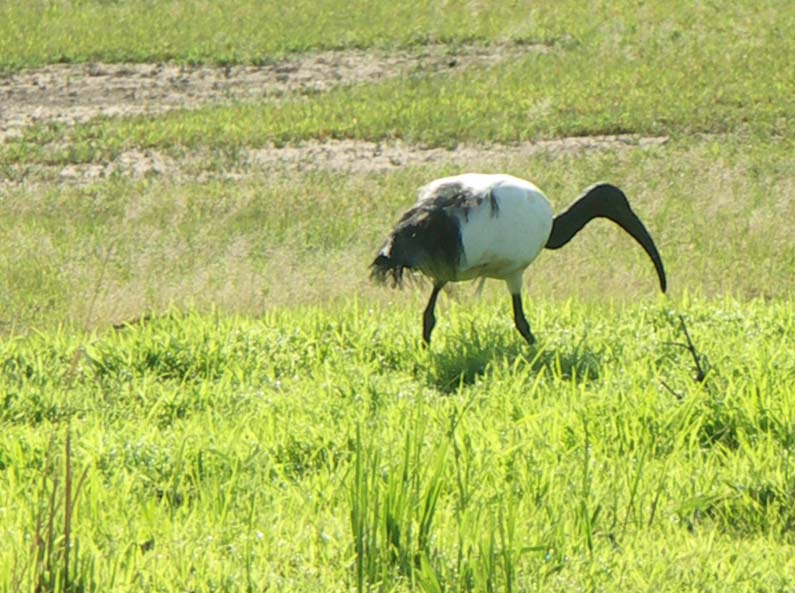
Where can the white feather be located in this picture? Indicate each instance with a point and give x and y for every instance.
(493, 226)
(500, 242)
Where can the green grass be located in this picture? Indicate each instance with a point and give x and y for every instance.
(271, 423)
(718, 78)
(245, 454)
(713, 205)
(247, 31)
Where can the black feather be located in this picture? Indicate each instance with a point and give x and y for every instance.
(427, 238)
(455, 196)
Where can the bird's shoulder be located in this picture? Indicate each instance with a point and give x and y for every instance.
(460, 192)
(464, 193)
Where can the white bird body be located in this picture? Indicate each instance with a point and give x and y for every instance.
(500, 237)
(493, 226)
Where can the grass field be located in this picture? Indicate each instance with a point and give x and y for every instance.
(262, 417)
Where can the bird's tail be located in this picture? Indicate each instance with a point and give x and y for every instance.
(388, 266)
(426, 241)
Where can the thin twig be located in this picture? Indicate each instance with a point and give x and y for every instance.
(676, 394)
(679, 344)
(700, 374)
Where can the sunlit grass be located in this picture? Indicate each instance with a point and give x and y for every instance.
(659, 70)
(679, 89)
(236, 452)
(247, 31)
(712, 204)
(263, 418)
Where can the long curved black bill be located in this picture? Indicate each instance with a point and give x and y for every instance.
(632, 224)
(605, 201)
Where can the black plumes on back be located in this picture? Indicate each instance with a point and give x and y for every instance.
(426, 239)
(457, 197)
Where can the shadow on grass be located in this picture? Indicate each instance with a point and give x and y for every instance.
(462, 363)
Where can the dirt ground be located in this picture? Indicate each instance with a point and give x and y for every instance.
(70, 94)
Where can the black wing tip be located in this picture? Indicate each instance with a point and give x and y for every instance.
(384, 270)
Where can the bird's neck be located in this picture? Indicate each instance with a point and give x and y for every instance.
(597, 202)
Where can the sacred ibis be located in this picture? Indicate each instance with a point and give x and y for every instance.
(493, 226)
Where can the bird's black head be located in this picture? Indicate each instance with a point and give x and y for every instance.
(604, 201)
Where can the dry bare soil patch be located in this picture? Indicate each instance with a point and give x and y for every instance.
(74, 93)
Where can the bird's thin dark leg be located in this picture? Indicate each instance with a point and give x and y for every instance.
(520, 321)
(428, 318)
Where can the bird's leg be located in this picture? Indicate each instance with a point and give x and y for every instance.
(519, 319)
(428, 318)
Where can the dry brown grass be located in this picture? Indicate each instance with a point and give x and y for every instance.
(278, 237)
